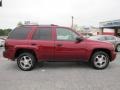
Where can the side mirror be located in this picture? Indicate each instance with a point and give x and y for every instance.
(79, 39)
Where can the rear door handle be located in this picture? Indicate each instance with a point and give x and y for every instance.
(59, 45)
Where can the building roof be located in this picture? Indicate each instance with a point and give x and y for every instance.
(110, 24)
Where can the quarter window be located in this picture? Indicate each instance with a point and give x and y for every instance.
(19, 33)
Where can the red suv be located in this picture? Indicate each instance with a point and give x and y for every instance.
(29, 44)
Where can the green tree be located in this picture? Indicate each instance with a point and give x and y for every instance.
(19, 24)
(5, 32)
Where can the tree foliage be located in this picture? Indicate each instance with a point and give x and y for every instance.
(19, 24)
(4, 32)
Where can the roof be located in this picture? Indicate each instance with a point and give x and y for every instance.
(110, 24)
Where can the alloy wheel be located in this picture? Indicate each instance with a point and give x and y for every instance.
(118, 48)
(100, 61)
(25, 62)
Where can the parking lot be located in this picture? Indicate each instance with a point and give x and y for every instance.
(59, 76)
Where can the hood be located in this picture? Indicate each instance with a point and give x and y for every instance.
(98, 41)
(100, 44)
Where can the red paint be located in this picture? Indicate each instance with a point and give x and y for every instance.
(108, 33)
(50, 51)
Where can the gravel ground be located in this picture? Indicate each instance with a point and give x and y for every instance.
(59, 76)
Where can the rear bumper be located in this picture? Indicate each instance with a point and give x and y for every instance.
(8, 55)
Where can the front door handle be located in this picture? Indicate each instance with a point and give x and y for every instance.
(33, 44)
(59, 45)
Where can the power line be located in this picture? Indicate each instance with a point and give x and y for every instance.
(72, 22)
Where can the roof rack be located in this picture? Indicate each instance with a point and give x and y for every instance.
(27, 25)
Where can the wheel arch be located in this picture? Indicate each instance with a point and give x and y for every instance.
(101, 49)
(23, 50)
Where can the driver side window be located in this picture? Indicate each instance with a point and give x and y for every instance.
(65, 34)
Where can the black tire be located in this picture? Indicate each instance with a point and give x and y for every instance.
(26, 61)
(100, 60)
(118, 48)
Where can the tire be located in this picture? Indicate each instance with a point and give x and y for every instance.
(26, 61)
(100, 60)
(118, 48)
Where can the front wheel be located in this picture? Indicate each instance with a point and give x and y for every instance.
(26, 61)
(100, 60)
(118, 48)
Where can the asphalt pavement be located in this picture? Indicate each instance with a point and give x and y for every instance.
(59, 76)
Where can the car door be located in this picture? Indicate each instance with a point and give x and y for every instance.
(66, 47)
(43, 41)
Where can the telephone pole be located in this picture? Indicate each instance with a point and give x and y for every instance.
(72, 22)
(0, 3)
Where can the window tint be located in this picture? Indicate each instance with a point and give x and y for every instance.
(65, 34)
(19, 33)
(102, 38)
(110, 38)
(43, 34)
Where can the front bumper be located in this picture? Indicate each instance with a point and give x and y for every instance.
(113, 55)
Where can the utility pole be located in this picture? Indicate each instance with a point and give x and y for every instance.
(72, 22)
(0, 3)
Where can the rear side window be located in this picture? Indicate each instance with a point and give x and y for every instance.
(110, 38)
(19, 33)
(101, 38)
(43, 33)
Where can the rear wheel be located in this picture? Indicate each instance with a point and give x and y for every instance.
(118, 48)
(26, 61)
(100, 60)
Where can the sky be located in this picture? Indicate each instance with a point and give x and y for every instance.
(59, 12)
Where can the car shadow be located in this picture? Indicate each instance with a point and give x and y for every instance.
(60, 65)
(54, 65)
